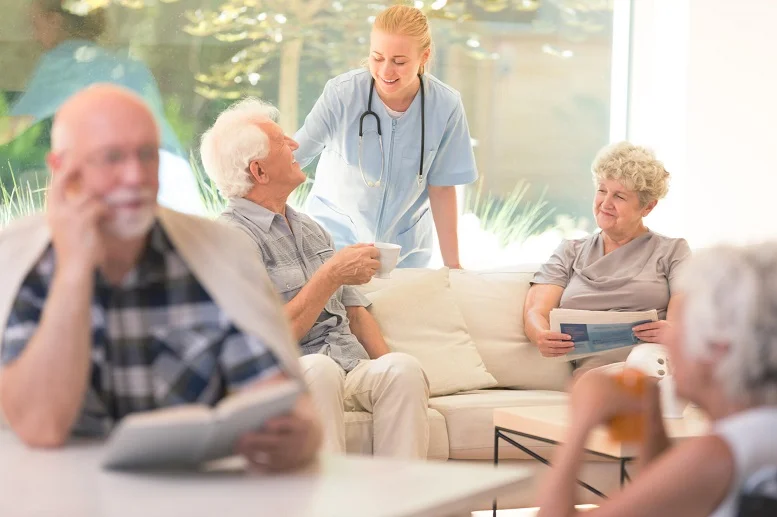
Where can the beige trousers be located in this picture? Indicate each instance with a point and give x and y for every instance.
(394, 388)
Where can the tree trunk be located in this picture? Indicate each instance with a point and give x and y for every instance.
(288, 86)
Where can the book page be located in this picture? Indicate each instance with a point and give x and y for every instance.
(165, 438)
(595, 332)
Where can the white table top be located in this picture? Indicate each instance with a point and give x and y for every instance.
(551, 422)
(69, 483)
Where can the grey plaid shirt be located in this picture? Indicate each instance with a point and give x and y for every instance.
(291, 256)
(157, 340)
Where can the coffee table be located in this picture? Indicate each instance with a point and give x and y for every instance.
(548, 424)
(70, 483)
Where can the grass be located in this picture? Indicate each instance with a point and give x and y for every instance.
(20, 200)
(512, 219)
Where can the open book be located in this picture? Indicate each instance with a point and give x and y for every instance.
(186, 436)
(594, 332)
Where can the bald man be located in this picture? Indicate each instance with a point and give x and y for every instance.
(123, 306)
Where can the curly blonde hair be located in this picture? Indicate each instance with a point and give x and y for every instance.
(636, 167)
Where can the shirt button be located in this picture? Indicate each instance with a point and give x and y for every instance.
(288, 286)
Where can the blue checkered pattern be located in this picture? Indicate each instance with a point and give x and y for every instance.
(158, 339)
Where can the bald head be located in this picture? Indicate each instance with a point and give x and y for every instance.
(107, 138)
(102, 107)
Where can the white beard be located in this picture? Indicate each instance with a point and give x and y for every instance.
(129, 223)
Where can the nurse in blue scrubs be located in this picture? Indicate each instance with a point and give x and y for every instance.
(394, 143)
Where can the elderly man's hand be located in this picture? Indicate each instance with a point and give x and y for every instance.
(286, 442)
(74, 219)
(554, 344)
(354, 265)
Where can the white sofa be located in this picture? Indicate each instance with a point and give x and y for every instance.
(461, 425)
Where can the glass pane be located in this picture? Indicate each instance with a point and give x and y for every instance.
(534, 76)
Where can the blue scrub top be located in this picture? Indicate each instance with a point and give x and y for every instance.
(74, 65)
(397, 211)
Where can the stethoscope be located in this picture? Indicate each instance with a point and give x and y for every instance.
(380, 136)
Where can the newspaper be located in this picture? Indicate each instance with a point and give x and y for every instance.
(595, 332)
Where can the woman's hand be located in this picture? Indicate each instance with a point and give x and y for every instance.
(654, 332)
(554, 344)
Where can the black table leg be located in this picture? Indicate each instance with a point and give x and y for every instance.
(496, 460)
(546, 462)
(624, 474)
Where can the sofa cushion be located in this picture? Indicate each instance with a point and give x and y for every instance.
(492, 306)
(398, 275)
(420, 317)
(358, 434)
(470, 422)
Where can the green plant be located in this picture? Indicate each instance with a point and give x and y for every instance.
(20, 200)
(511, 219)
(212, 201)
(26, 152)
(180, 121)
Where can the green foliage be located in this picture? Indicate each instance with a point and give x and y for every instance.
(26, 152)
(212, 201)
(183, 123)
(513, 218)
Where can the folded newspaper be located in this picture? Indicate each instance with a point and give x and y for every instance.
(595, 332)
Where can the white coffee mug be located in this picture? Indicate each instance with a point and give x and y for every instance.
(389, 254)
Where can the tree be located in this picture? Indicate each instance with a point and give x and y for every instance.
(335, 33)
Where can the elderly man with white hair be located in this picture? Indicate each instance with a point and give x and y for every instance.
(723, 350)
(346, 362)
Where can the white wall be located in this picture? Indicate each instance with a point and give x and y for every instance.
(704, 95)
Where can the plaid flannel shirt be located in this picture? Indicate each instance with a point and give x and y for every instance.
(158, 339)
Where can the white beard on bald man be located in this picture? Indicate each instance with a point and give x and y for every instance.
(132, 212)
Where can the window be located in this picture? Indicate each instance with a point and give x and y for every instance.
(535, 77)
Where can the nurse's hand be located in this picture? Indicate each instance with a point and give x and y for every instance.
(354, 265)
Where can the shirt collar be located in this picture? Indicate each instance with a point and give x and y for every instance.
(258, 214)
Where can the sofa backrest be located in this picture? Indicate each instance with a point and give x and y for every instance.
(492, 305)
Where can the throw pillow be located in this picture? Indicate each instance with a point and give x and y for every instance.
(420, 317)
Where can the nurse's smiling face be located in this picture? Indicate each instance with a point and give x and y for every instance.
(395, 61)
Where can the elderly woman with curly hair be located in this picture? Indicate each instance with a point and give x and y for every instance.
(624, 267)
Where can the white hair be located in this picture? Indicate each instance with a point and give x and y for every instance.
(731, 299)
(234, 140)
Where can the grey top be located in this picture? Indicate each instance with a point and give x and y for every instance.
(292, 253)
(638, 276)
